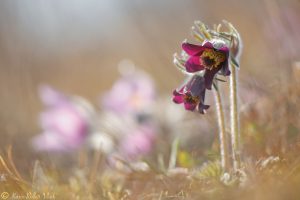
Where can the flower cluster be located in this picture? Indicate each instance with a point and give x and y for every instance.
(128, 106)
(202, 62)
(124, 127)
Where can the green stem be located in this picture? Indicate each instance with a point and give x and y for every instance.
(234, 116)
(173, 155)
(224, 151)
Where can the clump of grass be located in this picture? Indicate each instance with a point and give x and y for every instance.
(273, 177)
(267, 173)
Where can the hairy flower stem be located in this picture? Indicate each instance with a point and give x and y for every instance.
(224, 151)
(234, 117)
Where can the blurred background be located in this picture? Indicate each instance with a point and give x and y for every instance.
(76, 46)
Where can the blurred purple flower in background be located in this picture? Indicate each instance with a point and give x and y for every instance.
(65, 122)
(138, 142)
(101, 141)
(133, 93)
(128, 110)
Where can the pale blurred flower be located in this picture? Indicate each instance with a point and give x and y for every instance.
(128, 113)
(138, 142)
(116, 125)
(65, 123)
(134, 92)
(102, 142)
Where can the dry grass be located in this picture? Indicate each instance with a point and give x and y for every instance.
(271, 167)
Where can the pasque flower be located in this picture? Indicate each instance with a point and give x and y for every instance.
(138, 142)
(202, 62)
(133, 93)
(127, 106)
(65, 122)
(192, 94)
(211, 56)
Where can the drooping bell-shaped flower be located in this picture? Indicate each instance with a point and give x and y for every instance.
(211, 56)
(192, 94)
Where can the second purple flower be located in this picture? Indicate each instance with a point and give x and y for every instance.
(192, 94)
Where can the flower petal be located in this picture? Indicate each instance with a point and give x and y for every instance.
(193, 64)
(202, 108)
(49, 141)
(50, 96)
(190, 106)
(208, 45)
(224, 49)
(192, 49)
(209, 76)
(197, 86)
(177, 97)
(225, 69)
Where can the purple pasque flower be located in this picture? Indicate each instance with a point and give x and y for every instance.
(192, 94)
(65, 122)
(139, 141)
(211, 56)
(132, 93)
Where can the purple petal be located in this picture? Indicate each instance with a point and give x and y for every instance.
(202, 108)
(209, 76)
(197, 85)
(208, 45)
(224, 49)
(190, 106)
(138, 142)
(192, 49)
(50, 96)
(177, 98)
(64, 124)
(193, 64)
(225, 69)
(179, 92)
(48, 142)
